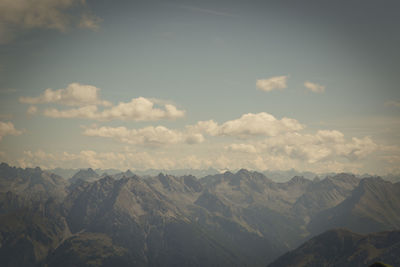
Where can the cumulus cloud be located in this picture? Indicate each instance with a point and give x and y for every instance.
(87, 112)
(314, 87)
(273, 83)
(138, 109)
(195, 138)
(74, 95)
(153, 136)
(7, 128)
(259, 124)
(357, 148)
(247, 126)
(265, 142)
(246, 148)
(86, 101)
(322, 151)
(329, 136)
(19, 15)
(323, 146)
(209, 127)
(148, 136)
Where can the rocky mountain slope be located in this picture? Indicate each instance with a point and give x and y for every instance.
(228, 219)
(342, 248)
(372, 206)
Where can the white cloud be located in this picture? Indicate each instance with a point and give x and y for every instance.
(284, 143)
(7, 128)
(246, 148)
(195, 138)
(19, 15)
(148, 136)
(357, 148)
(138, 109)
(153, 136)
(259, 124)
(74, 95)
(86, 99)
(327, 136)
(141, 109)
(273, 83)
(314, 87)
(247, 126)
(207, 127)
(87, 112)
(320, 147)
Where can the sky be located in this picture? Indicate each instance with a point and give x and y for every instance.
(262, 85)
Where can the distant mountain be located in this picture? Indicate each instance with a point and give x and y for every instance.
(394, 178)
(68, 173)
(88, 175)
(120, 175)
(64, 173)
(324, 194)
(373, 206)
(146, 223)
(32, 184)
(342, 248)
(178, 172)
(284, 176)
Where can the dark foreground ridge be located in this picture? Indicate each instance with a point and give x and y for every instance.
(229, 219)
(343, 248)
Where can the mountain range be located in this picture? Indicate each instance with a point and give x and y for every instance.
(225, 219)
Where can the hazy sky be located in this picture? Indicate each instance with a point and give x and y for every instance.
(310, 85)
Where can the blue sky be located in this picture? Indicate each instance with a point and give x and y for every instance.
(310, 85)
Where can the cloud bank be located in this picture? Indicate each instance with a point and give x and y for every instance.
(86, 100)
(74, 95)
(261, 134)
(247, 126)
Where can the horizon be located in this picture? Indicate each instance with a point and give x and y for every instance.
(262, 85)
(278, 175)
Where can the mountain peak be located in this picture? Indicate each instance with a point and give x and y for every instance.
(85, 175)
(128, 173)
(298, 179)
(88, 171)
(243, 171)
